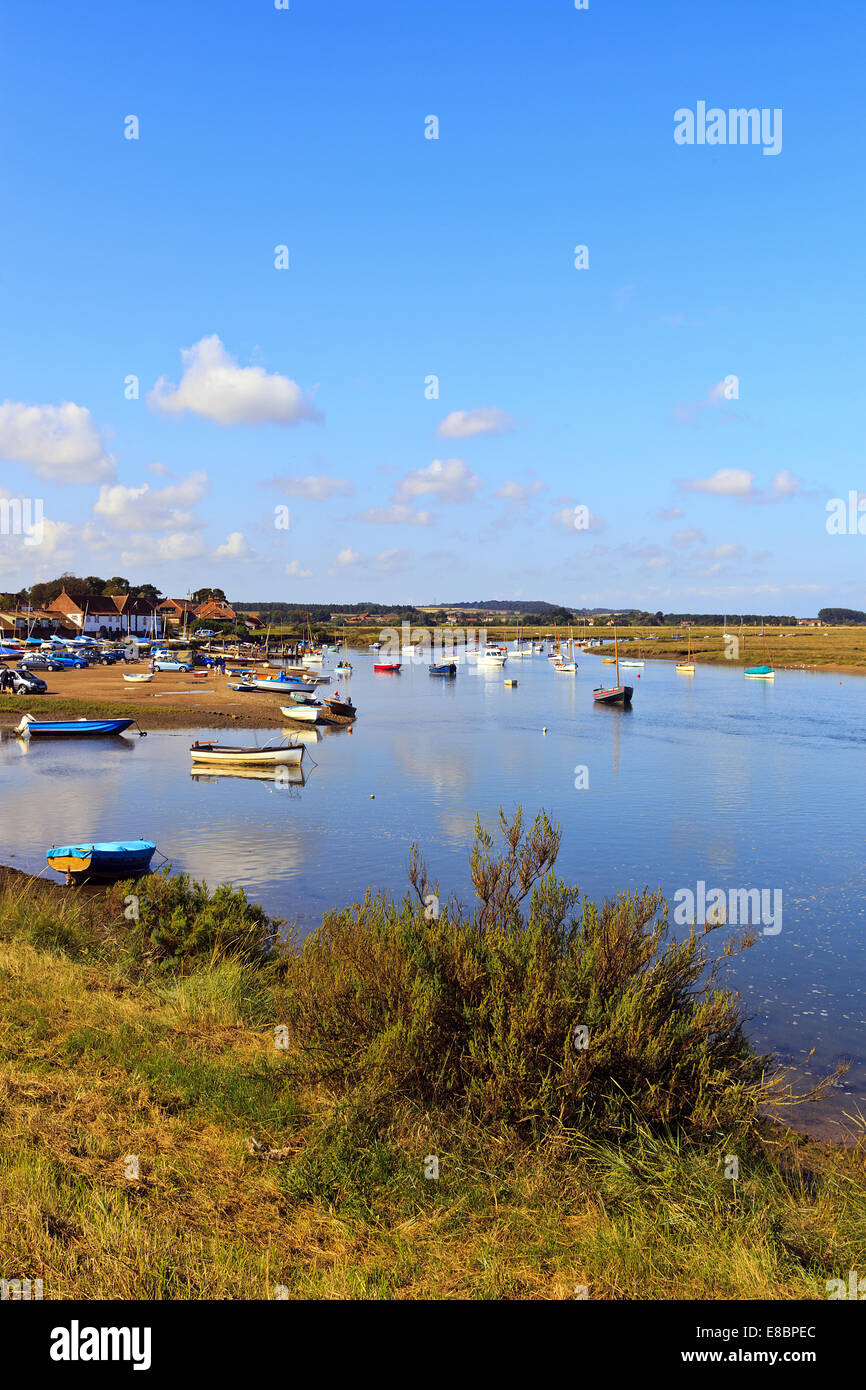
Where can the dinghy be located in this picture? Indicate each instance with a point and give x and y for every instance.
(106, 860)
(227, 755)
(35, 728)
(307, 713)
(139, 680)
(386, 665)
(446, 668)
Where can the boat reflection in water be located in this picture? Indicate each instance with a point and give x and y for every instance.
(279, 777)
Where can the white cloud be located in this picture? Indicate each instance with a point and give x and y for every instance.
(386, 562)
(144, 549)
(565, 518)
(58, 442)
(683, 539)
(466, 424)
(398, 514)
(451, 480)
(316, 487)
(216, 388)
(236, 547)
(725, 482)
(295, 570)
(159, 469)
(670, 514)
(144, 508)
(520, 492)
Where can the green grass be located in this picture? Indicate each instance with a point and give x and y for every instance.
(107, 1055)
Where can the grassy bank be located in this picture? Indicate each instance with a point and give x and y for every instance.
(189, 1111)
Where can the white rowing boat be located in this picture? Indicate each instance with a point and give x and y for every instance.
(227, 755)
(307, 714)
(139, 680)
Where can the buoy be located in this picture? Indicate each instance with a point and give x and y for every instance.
(544, 730)
(372, 796)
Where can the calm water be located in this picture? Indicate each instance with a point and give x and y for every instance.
(741, 784)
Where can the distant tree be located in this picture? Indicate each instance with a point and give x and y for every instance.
(117, 585)
(841, 615)
(205, 595)
(149, 593)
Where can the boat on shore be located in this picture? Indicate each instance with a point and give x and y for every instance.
(139, 680)
(286, 755)
(48, 728)
(108, 859)
(343, 709)
(308, 714)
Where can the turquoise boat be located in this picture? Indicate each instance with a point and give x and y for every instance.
(760, 673)
(106, 859)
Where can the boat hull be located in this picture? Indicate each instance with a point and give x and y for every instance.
(386, 666)
(107, 860)
(446, 669)
(228, 756)
(618, 695)
(82, 728)
(308, 714)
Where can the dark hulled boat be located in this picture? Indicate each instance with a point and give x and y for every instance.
(614, 694)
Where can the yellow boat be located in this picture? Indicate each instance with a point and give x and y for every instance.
(687, 667)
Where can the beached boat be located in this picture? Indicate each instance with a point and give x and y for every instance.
(106, 860)
(302, 697)
(306, 713)
(445, 668)
(386, 665)
(344, 708)
(139, 680)
(37, 728)
(615, 694)
(230, 756)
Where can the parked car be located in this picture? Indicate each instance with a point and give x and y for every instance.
(167, 665)
(68, 659)
(21, 682)
(36, 662)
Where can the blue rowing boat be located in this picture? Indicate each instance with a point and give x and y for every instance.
(446, 668)
(106, 859)
(36, 728)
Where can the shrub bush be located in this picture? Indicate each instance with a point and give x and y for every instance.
(480, 1011)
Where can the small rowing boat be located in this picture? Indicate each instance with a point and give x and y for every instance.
(109, 859)
(446, 668)
(231, 756)
(36, 728)
(308, 714)
(386, 665)
(139, 680)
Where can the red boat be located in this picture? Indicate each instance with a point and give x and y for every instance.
(387, 666)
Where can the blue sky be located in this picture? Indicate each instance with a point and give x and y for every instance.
(304, 388)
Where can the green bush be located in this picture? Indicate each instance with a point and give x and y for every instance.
(180, 923)
(477, 1012)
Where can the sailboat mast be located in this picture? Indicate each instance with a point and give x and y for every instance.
(616, 654)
